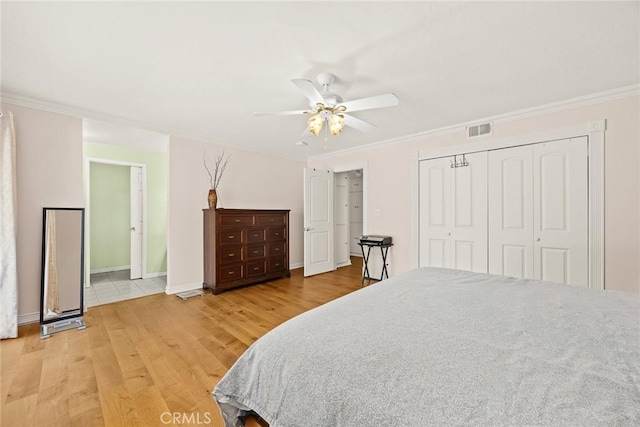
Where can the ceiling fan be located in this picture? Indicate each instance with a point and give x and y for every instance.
(328, 107)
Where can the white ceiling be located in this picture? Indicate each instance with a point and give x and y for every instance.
(201, 69)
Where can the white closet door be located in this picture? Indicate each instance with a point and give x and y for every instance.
(510, 175)
(435, 221)
(560, 197)
(469, 214)
(453, 214)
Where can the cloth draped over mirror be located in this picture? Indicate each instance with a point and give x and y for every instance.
(8, 227)
(51, 297)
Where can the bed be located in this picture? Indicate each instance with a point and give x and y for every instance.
(446, 347)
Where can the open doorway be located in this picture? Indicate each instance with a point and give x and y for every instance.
(126, 212)
(348, 225)
(116, 191)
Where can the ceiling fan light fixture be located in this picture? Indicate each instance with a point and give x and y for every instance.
(328, 107)
(336, 124)
(315, 124)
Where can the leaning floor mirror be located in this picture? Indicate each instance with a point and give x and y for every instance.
(61, 296)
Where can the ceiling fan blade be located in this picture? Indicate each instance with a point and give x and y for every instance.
(309, 90)
(380, 101)
(280, 113)
(358, 124)
(305, 137)
(306, 134)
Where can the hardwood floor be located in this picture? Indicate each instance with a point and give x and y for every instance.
(150, 361)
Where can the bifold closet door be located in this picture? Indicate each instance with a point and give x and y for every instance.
(453, 213)
(560, 220)
(511, 212)
(538, 213)
(435, 216)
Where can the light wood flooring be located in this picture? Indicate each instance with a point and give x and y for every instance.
(144, 361)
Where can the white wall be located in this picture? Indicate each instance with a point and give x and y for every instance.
(251, 181)
(49, 174)
(389, 182)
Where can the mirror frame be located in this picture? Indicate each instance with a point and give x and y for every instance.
(80, 312)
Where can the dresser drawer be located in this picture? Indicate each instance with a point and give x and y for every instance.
(231, 272)
(256, 235)
(230, 254)
(230, 237)
(238, 220)
(276, 233)
(276, 219)
(256, 268)
(277, 248)
(277, 264)
(254, 252)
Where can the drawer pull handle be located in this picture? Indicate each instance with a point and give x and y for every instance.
(255, 252)
(271, 220)
(276, 249)
(232, 237)
(255, 235)
(277, 264)
(277, 234)
(231, 272)
(256, 268)
(237, 220)
(232, 254)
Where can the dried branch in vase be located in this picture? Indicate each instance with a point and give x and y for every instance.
(220, 164)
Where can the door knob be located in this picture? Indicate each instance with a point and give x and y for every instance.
(538, 239)
(133, 229)
(307, 229)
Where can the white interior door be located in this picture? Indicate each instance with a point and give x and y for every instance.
(318, 222)
(560, 198)
(510, 180)
(435, 219)
(136, 222)
(453, 213)
(469, 214)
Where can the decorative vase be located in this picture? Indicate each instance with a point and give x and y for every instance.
(213, 199)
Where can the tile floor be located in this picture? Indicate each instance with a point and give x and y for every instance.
(116, 286)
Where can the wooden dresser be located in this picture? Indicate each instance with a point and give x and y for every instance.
(244, 246)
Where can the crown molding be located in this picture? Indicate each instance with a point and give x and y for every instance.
(577, 102)
(52, 107)
(554, 107)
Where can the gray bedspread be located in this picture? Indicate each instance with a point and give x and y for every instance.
(447, 347)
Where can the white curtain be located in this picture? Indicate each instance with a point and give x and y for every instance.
(8, 206)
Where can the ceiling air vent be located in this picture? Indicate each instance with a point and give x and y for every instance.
(479, 130)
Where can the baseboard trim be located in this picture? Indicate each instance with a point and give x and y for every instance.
(110, 269)
(25, 319)
(343, 264)
(294, 265)
(170, 290)
(150, 275)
